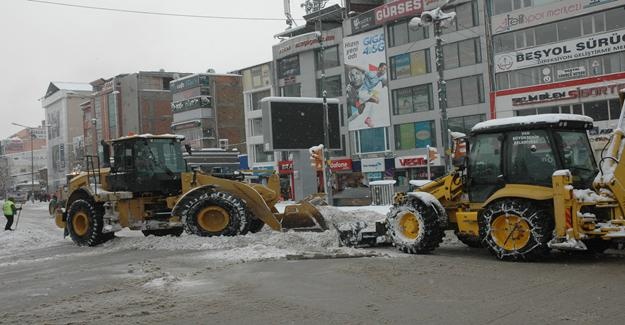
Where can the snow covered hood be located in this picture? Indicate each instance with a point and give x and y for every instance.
(530, 120)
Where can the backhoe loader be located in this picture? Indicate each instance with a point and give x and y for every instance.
(148, 187)
(528, 185)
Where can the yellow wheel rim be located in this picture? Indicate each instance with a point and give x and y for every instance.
(510, 232)
(80, 223)
(213, 218)
(409, 225)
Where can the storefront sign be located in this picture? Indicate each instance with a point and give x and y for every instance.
(558, 95)
(182, 84)
(387, 12)
(533, 16)
(303, 43)
(570, 50)
(372, 165)
(341, 165)
(285, 166)
(397, 9)
(410, 161)
(569, 73)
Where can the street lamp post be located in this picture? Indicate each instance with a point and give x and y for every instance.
(439, 20)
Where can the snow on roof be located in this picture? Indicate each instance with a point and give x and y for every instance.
(531, 119)
(383, 182)
(80, 86)
(150, 136)
(316, 100)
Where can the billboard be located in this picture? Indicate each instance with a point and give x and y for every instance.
(296, 123)
(366, 89)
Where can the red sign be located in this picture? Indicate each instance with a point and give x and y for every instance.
(410, 161)
(341, 165)
(397, 9)
(285, 166)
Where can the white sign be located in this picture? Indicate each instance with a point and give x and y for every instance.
(570, 50)
(527, 17)
(568, 73)
(304, 42)
(367, 80)
(372, 165)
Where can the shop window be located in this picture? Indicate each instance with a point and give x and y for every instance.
(615, 109)
(288, 66)
(330, 56)
(525, 112)
(597, 110)
(294, 90)
(548, 110)
(415, 135)
(332, 86)
(465, 91)
(569, 28)
(546, 34)
(410, 64)
(256, 97)
(464, 123)
(400, 34)
(412, 99)
(370, 140)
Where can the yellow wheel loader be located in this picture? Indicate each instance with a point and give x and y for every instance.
(148, 187)
(528, 185)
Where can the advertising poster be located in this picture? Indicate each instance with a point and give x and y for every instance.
(367, 81)
(423, 134)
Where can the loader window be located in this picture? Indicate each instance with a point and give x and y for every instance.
(484, 166)
(531, 159)
(577, 156)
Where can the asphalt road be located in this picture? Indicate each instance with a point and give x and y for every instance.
(65, 284)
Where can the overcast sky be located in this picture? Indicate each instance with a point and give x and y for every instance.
(41, 42)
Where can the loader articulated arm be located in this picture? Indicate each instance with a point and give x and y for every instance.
(612, 165)
(446, 188)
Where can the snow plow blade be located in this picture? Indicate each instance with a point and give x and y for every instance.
(302, 216)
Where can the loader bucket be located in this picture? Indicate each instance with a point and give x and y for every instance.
(302, 216)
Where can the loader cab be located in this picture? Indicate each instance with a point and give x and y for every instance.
(147, 164)
(527, 150)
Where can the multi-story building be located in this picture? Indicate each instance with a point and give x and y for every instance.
(23, 155)
(559, 57)
(62, 103)
(208, 110)
(387, 128)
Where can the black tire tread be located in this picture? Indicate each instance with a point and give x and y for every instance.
(94, 236)
(432, 234)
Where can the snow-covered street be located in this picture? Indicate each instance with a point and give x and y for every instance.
(291, 278)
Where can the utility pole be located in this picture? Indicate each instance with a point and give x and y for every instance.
(327, 172)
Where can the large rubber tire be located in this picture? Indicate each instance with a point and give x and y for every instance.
(414, 227)
(256, 225)
(175, 232)
(516, 229)
(215, 214)
(471, 241)
(84, 224)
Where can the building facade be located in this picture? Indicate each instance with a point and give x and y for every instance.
(62, 106)
(559, 57)
(208, 109)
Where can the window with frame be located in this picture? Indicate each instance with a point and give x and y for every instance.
(294, 90)
(255, 98)
(400, 34)
(465, 91)
(467, 16)
(462, 53)
(288, 66)
(112, 115)
(415, 135)
(410, 64)
(332, 86)
(330, 57)
(370, 140)
(260, 155)
(256, 127)
(464, 123)
(412, 99)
